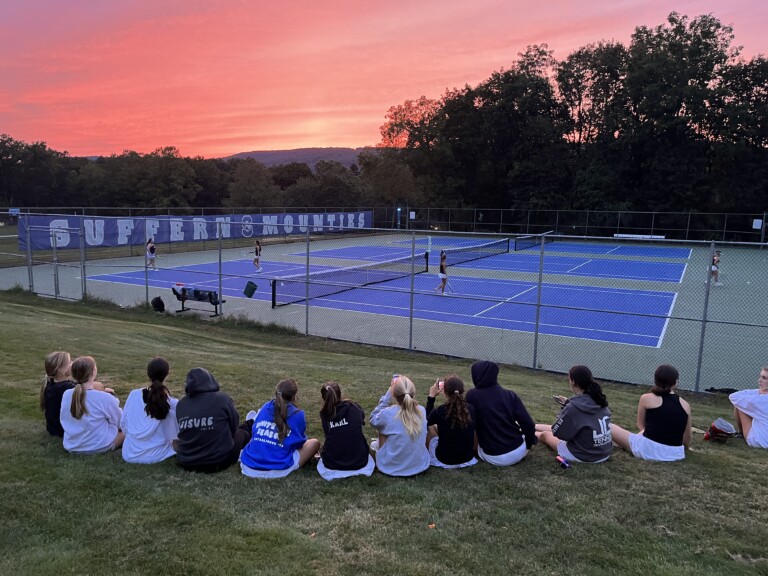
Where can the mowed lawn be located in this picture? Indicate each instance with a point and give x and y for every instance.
(62, 514)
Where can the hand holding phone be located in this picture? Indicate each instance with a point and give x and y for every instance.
(562, 400)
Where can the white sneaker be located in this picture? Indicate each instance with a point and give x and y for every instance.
(718, 283)
(251, 415)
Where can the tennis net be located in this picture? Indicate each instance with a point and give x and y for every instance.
(293, 289)
(532, 241)
(463, 254)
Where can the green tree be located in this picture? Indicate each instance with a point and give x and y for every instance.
(252, 186)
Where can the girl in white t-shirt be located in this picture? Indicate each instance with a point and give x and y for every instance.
(90, 414)
(149, 418)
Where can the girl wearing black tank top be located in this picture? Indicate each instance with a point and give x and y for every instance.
(664, 421)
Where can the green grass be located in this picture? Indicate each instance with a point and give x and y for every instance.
(62, 514)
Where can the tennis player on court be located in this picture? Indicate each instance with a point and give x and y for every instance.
(443, 274)
(715, 269)
(257, 255)
(151, 254)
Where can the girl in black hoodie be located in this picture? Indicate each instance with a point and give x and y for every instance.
(505, 430)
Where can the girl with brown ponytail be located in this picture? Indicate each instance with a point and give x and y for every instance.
(149, 418)
(345, 451)
(278, 444)
(90, 415)
(451, 435)
(582, 431)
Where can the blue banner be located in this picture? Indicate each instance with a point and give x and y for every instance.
(64, 232)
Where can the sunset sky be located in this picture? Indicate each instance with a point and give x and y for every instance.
(217, 77)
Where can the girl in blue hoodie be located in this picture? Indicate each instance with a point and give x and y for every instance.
(278, 443)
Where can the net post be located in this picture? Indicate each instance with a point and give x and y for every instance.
(273, 284)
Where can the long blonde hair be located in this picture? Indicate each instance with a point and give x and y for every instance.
(55, 362)
(83, 370)
(409, 413)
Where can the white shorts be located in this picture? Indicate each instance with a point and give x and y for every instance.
(507, 459)
(442, 276)
(433, 461)
(268, 474)
(562, 450)
(714, 268)
(646, 449)
(329, 474)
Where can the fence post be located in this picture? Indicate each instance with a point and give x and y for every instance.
(704, 317)
(413, 275)
(55, 243)
(306, 294)
(586, 225)
(146, 267)
(725, 226)
(221, 291)
(29, 256)
(538, 307)
(83, 287)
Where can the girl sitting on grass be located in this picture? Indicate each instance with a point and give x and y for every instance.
(278, 443)
(664, 420)
(345, 451)
(582, 431)
(57, 381)
(90, 414)
(402, 425)
(451, 433)
(149, 418)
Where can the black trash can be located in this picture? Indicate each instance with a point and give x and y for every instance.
(250, 289)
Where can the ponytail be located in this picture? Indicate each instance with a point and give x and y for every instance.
(330, 392)
(664, 379)
(409, 413)
(156, 403)
(55, 363)
(456, 412)
(285, 393)
(582, 377)
(77, 406)
(83, 370)
(46, 380)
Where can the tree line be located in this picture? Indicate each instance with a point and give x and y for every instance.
(675, 121)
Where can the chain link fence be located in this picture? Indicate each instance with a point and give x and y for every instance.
(621, 305)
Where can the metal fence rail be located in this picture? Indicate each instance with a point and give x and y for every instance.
(715, 335)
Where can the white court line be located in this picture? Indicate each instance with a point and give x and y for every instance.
(685, 267)
(613, 249)
(505, 301)
(666, 322)
(450, 315)
(579, 266)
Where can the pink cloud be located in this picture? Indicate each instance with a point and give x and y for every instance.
(215, 78)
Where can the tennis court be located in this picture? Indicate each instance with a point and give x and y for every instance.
(619, 315)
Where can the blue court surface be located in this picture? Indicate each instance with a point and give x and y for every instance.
(635, 317)
(528, 261)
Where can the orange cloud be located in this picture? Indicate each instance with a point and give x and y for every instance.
(216, 78)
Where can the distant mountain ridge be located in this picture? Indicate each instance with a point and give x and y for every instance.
(308, 156)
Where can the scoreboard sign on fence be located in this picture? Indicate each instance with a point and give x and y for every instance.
(45, 231)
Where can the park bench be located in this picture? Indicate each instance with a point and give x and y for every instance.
(186, 294)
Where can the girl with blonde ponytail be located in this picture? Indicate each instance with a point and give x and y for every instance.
(345, 450)
(90, 414)
(57, 380)
(402, 425)
(278, 444)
